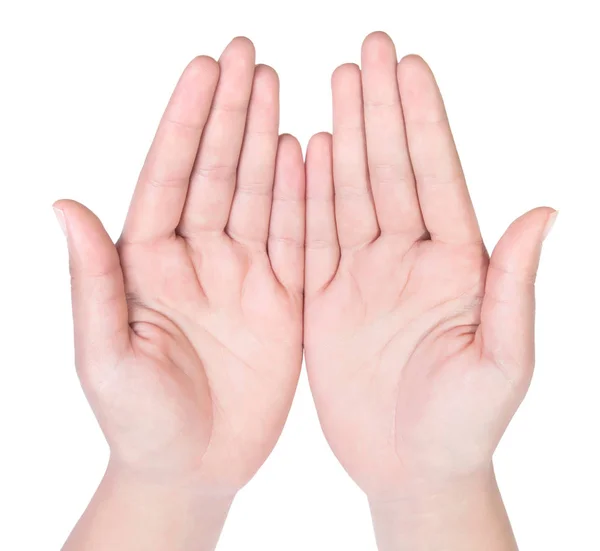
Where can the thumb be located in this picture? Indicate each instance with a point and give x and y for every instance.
(98, 295)
(508, 309)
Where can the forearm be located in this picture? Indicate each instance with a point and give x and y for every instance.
(467, 515)
(131, 514)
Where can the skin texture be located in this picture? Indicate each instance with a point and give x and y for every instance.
(188, 331)
(419, 346)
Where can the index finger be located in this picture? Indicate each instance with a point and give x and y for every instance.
(162, 187)
(443, 195)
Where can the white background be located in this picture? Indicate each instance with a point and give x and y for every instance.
(83, 86)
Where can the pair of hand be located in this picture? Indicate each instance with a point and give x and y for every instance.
(236, 256)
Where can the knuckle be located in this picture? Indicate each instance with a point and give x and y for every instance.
(215, 172)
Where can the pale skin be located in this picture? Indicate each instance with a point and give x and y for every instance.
(189, 332)
(419, 347)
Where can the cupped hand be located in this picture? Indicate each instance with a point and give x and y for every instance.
(419, 347)
(188, 332)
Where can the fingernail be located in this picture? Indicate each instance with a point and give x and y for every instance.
(550, 223)
(60, 217)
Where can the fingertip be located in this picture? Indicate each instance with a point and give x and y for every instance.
(266, 76)
(91, 250)
(265, 88)
(290, 143)
(70, 208)
(61, 219)
(412, 69)
(320, 139)
(345, 72)
(240, 48)
(59, 204)
(536, 219)
(200, 73)
(289, 174)
(320, 147)
(62, 209)
(545, 210)
(319, 167)
(62, 204)
(518, 251)
(550, 221)
(377, 45)
(266, 71)
(242, 41)
(287, 137)
(377, 37)
(411, 62)
(201, 66)
(290, 160)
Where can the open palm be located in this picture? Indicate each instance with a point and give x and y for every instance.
(419, 348)
(189, 331)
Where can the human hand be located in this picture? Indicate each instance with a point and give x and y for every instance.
(419, 348)
(188, 333)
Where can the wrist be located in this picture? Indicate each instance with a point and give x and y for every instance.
(463, 513)
(136, 510)
(427, 494)
(186, 491)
